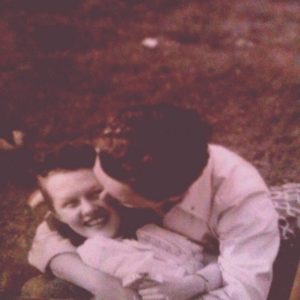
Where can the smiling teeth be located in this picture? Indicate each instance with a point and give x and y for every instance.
(95, 222)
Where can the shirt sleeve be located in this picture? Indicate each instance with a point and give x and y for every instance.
(212, 276)
(46, 244)
(247, 229)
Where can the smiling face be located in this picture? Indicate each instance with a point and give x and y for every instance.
(79, 200)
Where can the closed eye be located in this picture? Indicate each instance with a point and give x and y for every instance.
(71, 203)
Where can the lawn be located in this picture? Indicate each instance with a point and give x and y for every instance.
(67, 64)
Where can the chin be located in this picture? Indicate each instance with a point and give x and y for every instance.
(108, 234)
(99, 232)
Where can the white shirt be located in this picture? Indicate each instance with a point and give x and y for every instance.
(160, 254)
(229, 202)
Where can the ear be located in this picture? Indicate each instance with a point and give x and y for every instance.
(35, 199)
(41, 180)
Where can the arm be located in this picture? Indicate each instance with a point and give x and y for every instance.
(68, 266)
(50, 250)
(230, 202)
(249, 241)
(178, 289)
(47, 243)
(197, 280)
(183, 288)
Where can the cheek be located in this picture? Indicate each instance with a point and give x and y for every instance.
(68, 216)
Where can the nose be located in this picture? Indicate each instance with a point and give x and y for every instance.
(87, 207)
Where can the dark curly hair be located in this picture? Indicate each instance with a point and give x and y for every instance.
(159, 149)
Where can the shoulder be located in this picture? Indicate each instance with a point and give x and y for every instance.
(226, 164)
(224, 160)
(233, 176)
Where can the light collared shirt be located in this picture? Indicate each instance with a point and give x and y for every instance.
(228, 202)
(161, 254)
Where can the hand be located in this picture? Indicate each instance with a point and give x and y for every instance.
(117, 294)
(124, 294)
(178, 289)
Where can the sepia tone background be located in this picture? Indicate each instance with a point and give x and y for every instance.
(66, 64)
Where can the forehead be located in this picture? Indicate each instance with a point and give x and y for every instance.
(66, 184)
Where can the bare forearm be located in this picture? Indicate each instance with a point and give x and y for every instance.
(69, 267)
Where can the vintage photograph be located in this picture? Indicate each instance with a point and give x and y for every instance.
(149, 150)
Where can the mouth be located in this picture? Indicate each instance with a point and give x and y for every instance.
(98, 219)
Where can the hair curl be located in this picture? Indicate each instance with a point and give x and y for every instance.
(159, 149)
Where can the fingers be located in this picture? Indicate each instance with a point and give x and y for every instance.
(152, 293)
(154, 297)
(149, 291)
(145, 284)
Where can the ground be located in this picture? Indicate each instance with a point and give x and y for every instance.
(67, 64)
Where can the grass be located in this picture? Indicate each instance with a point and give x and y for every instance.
(65, 65)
